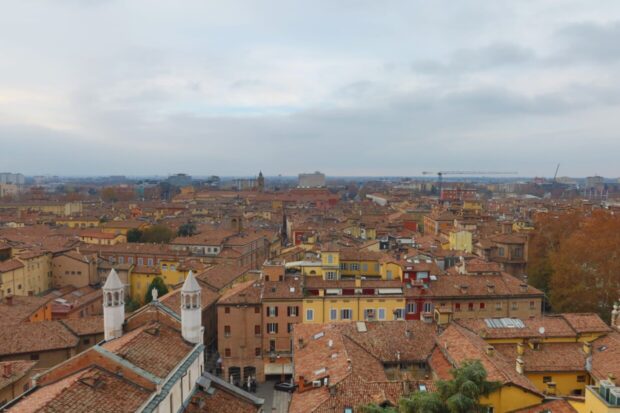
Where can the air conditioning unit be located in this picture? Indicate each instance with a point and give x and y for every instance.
(614, 396)
(316, 383)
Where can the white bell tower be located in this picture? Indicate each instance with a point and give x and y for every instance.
(191, 310)
(113, 307)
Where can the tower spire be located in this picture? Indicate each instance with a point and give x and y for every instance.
(191, 310)
(113, 306)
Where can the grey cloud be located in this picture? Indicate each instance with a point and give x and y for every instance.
(590, 41)
(493, 56)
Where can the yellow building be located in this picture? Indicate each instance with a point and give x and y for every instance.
(352, 300)
(78, 222)
(460, 241)
(27, 274)
(604, 398)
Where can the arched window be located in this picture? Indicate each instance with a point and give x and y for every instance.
(109, 299)
(117, 298)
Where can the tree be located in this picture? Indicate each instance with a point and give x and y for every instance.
(586, 267)
(460, 395)
(131, 305)
(159, 284)
(551, 229)
(159, 234)
(134, 235)
(373, 408)
(187, 230)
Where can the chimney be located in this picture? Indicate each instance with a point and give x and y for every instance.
(490, 350)
(358, 282)
(520, 349)
(408, 333)
(9, 299)
(491, 288)
(587, 348)
(8, 370)
(332, 390)
(520, 365)
(523, 288)
(464, 288)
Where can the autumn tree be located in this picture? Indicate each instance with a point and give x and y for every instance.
(586, 267)
(551, 230)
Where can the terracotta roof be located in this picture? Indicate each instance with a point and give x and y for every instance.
(605, 356)
(35, 337)
(548, 357)
(553, 406)
(155, 348)
(21, 308)
(10, 265)
(586, 322)
(248, 292)
(18, 368)
(458, 344)
(172, 300)
(90, 390)
(555, 326)
(84, 326)
(503, 284)
(222, 275)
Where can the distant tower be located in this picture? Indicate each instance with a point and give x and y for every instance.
(261, 182)
(113, 306)
(191, 311)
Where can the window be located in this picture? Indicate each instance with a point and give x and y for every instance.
(330, 275)
(346, 314)
(517, 252)
(121, 260)
(581, 379)
(272, 328)
(330, 259)
(365, 267)
(289, 327)
(482, 306)
(532, 305)
(470, 307)
(498, 306)
(149, 262)
(411, 308)
(382, 314)
(389, 274)
(428, 307)
(398, 314)
(500, 251)
(343, 266)
(227, 310)
(257, 330)
(547, 379)
(130, 260)
(257, 351)
(333, 314)
(256, 310)
(164, 267)
(515, 305)
(227, 352)
(292, 311)
(355, 266)
(309, 314)
(457, 307)
(272, 311)
(172, 267)
(140, 261)
(369, 314)
(226, 331)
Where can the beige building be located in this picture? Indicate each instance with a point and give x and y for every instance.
(74, 268)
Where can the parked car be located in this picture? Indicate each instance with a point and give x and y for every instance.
(285, 386)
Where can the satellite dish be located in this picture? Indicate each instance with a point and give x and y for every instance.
(541, 330)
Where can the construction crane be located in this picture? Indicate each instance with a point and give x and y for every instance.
(440, 175)
(555, 176)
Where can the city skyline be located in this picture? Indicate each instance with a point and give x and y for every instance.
(351, 89)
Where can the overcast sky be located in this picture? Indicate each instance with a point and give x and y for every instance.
(96, 87)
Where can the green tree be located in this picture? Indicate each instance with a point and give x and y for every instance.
(159, 284)
(131, 305)
(373, 408)
(461, 394)
(134, 235)
(159, 234)
(187, 230)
